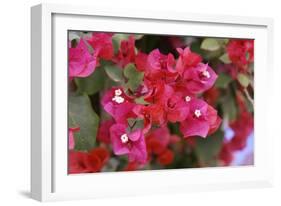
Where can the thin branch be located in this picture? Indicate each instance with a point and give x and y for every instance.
(248, 96)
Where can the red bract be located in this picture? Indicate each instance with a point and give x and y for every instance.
(156, 113)
(211, 96)
(225, 154)
(126, 52)
(187, 59)
(83, 162)
(157, 92)
(213, 119)
(241, 53)
(101, 153)
(166, 157)
(152, 114)
(157, 140)
(81, 62)
(176, 108)
(130, 143)
(132, 166)
(202, 119)
(80, 162)
(140, 61)
(118, 104)
(242, 128)
(179, 86)
(103, 134)
(200, 78)
(160, 66)
(102, 44)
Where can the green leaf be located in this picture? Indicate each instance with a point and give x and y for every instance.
(225, 58)
(135, 123)
(130, 70)
(229, 106)
(117, 38)
(223, 41)
(141, 100)
(210, 44)
(223, 80)
(93, 83)
(134, 77)
(247, 55)
(82, 115)
(207, 149)
(120, 37)
(114, 73)
(243, 79)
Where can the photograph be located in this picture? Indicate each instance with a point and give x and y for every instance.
(139, 102)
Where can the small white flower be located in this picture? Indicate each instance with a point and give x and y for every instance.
(197, 113)
(206, 74)
(118, 92)
(187, 98)
(118, 99)
(124, 138)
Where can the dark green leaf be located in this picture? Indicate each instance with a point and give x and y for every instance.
(82, 115)
(223, 80)
(141, 100)
(207, 149)
(114, 73)
(229, 107)
(93, 83)
(134, 77)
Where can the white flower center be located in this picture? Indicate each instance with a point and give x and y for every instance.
(118, 92)
(187, 98)
(124, 138)
(118, 99)
(197, 113)
(206, 74)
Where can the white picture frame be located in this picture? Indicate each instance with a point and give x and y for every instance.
(49, 179)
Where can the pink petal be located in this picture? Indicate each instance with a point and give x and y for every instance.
(138, 151)
(81, 62)
(195, 82)
(194, 127)
(135, 135)
(116, 131)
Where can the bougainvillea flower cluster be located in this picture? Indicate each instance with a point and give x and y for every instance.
(143, 107)
(87, 162)
(81, 62)
(241, 53)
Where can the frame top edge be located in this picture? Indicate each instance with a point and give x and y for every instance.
(88, 10)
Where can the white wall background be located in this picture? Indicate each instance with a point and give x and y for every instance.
(15, 100)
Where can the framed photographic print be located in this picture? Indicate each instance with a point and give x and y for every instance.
(134, 102)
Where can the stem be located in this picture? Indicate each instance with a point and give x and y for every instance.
(248, 96)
